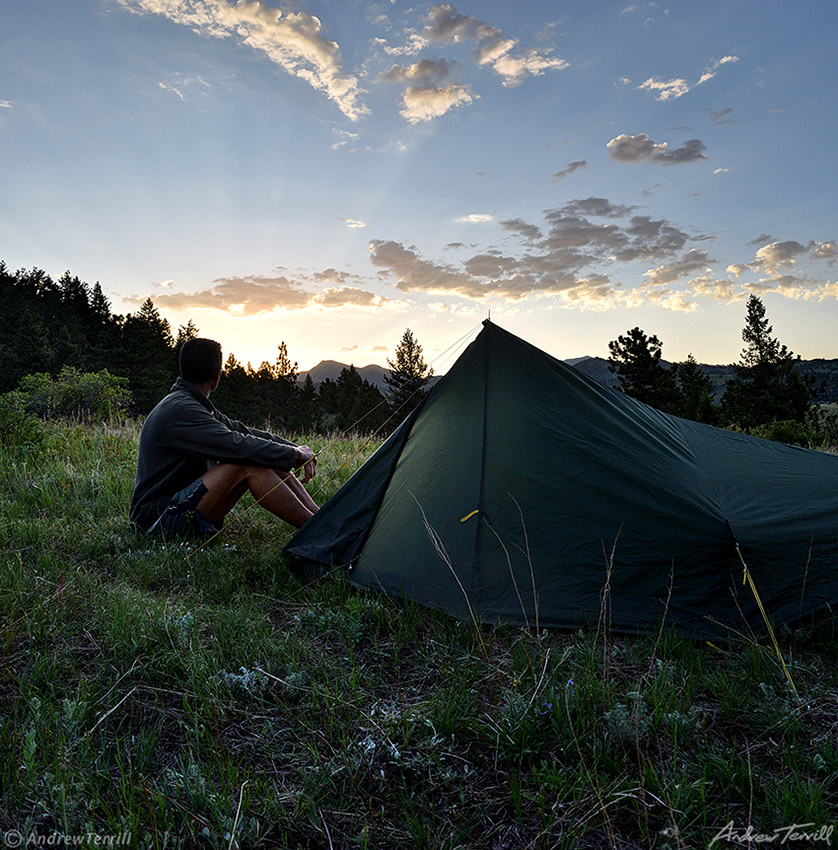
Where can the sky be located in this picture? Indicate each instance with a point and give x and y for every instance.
(328, 173)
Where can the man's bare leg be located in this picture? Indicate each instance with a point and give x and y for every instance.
(301, 493)
(277, 492)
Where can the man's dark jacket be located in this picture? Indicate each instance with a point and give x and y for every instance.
(182, 437)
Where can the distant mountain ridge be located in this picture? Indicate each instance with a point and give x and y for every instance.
(825, 373)
(331, 369)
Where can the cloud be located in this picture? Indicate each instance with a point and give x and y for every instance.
(425, 71)
(350, 347)
(424, 103)
(762, 239)
(641, 148)
(353, 223)
(332, 276)
(248, 296)
(720, 170)
(528, 232)
(678, 87)
(379, 348)
(559, 258)
(825, 251)
(6, 104)
(515, 69)
(777, 255)
(665, 89)
(293, 41)
(716, 289)
(600, 207)
(446, 26)
(165, 284)
(413, 273)
(172, 89)
(774, 263)
(571, 167)
(711, 70)
(693, 260)
(348, 296)
(476, 218)
(720, 118)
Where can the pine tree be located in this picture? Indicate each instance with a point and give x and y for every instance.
(408, 377)
(636, 359)
(185, 332)
(349, 384)
(696, 392)
(767, 386)
(148, 351)
(306, 408)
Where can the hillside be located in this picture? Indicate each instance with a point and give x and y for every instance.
(823, 373)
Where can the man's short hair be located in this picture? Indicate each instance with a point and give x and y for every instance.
(198, 359)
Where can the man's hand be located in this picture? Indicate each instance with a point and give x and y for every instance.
(304, 457)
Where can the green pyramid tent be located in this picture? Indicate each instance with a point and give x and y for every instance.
(520, 489)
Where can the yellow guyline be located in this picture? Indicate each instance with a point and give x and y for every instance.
(746, 577)
(347, 430)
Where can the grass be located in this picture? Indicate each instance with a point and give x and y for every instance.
(207, 698)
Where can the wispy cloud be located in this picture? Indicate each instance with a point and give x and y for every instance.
(353, 223)
(6, 104)
(665, 89)
(710, 70)
(721, 117)
(476, 218)
(641, 148)
(678, 87)
(571, 167)
(171, 89)
(294, 41)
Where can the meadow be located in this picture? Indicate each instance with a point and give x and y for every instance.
(204, 696)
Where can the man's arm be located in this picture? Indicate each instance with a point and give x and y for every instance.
(198, 433)
(241, 428)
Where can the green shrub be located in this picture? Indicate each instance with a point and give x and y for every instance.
(17, 425)
(75, 394)
(784, 431)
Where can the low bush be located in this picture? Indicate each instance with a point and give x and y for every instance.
(17, 425)
(90, 396)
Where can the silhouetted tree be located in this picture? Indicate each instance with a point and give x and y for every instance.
(370, 412)
(306, 410)
(636, 360)
(148, 350)
(696, 392)
(407, 378)
(767, 386)
(349, 384)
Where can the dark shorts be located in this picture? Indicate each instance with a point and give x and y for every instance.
(181, 517)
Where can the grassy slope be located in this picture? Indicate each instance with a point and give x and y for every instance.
(176, 694)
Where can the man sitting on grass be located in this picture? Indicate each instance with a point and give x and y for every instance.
(194, 463)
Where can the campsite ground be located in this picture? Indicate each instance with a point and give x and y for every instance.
(192, 697)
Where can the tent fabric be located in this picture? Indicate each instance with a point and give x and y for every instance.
(522, 491)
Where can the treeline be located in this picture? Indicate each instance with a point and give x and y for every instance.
(767, 395)
(65, 327)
